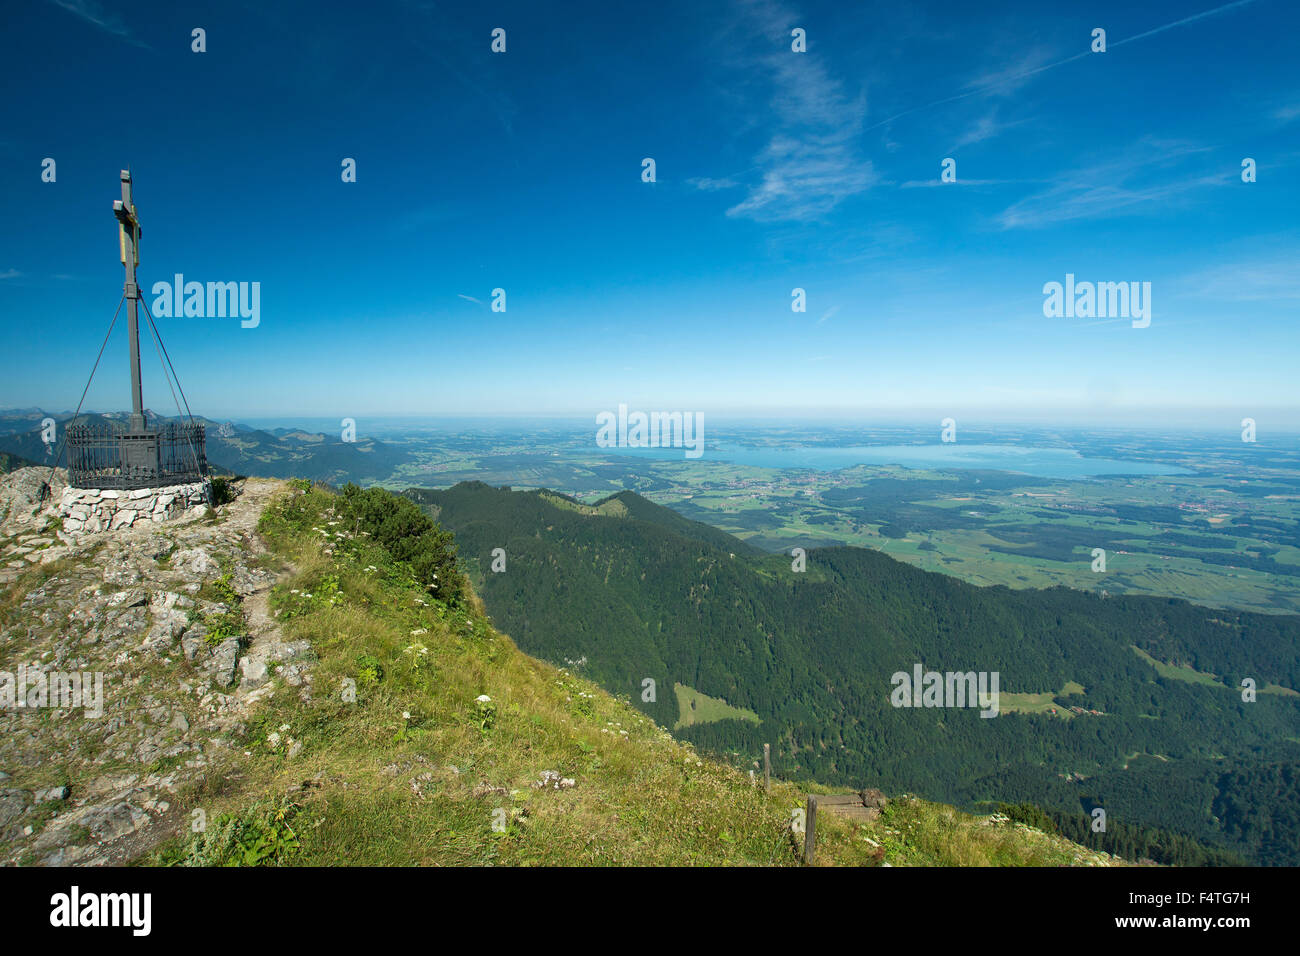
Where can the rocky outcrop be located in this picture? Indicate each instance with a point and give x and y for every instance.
(92, 510)
(26, 495)
(148, 608)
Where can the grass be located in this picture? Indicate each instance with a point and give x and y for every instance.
(402, 763)
(912, 832)
(1043, 703)
(696, 708)
(1178, 671)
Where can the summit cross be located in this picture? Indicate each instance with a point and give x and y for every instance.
(129, 241)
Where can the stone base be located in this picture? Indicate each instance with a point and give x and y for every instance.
(91, 510)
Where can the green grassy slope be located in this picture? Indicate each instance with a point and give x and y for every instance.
(418, 770)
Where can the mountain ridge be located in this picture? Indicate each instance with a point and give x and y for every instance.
(349, 711)
(812, 654)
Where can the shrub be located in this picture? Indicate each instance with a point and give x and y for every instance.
(261, 836)
(223, 491)
(369, 670)
(230, 623)
(409, 535)
(1030, 815)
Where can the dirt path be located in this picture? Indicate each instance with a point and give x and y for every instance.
(131, 606)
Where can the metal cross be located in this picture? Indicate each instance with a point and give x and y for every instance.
(129, 240)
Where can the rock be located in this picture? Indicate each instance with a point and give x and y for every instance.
(119, 571)
(21, 499)
(132, 598)
(873, 798)
(125, 623)
(194, 641)
(157, 547)
(550, 780)
(93, 615)
(13, 803)
(169, 601)
(255, 672)
(117, 820)
(224, 659)
(194, 561)
(162, 634)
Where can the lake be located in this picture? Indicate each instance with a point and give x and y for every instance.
(1040, 462)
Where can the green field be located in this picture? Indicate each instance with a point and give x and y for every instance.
(1178, 671)
(1044, 703)
(697, 708)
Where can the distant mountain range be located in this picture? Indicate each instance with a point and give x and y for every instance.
(1130, 704)
(231, 448)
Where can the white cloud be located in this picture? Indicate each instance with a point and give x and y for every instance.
(92, 13)
(1148, 174)
(1249, 280)
(986, 127)
(708, 184)
(1287, 113)
(811, 162)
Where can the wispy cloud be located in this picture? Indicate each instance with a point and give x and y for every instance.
(829, 313)
(1153, 173)
(1012, 77)
(1251, 280)
(917, 183)
(10, 274)
(811, 162)
(92, 13)
(469, 72)
(469, 298)
(986, 127)
(1225, 8)
(1287, 113)
(1017, 72)
(708, 184)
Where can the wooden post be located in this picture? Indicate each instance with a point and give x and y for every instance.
(767, 768)
(810, 830)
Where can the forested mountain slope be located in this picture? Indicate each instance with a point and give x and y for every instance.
(1091, 715)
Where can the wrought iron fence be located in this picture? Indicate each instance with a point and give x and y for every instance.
(108, 457)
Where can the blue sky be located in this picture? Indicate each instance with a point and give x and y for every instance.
(775, 170)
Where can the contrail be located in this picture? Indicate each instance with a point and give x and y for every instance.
(1069, 59)
(1178, 23)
